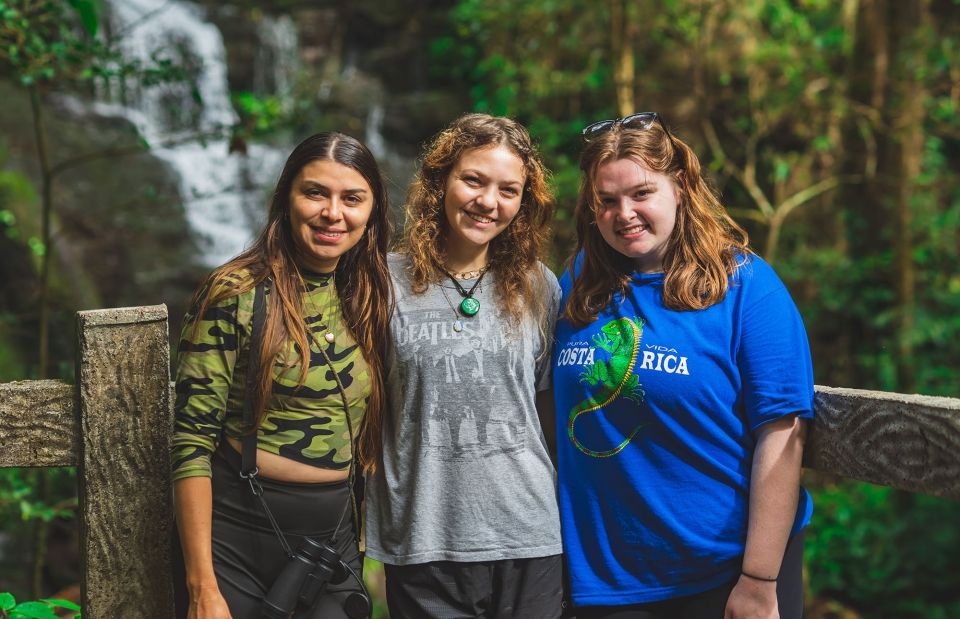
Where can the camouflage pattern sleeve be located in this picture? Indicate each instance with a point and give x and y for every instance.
(206, 360)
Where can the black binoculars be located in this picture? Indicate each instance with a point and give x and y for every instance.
(306, 576)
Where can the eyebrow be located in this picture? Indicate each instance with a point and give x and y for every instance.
(643, 185)
(310, 181)
(479, 173)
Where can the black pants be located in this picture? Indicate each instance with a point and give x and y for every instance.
(711, 604)
(247, 556)
(507, 589)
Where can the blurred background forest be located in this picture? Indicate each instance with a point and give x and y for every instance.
(140, 140)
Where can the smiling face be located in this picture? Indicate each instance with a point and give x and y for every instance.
(637, 211)
(482, 196)
(330, 204)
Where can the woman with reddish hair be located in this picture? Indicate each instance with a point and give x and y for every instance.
(683, 388)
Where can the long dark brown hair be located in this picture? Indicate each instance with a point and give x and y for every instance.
(702, 250)
(361, 278)
(514, 252)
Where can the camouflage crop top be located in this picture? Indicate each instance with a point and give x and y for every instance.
(305, 424)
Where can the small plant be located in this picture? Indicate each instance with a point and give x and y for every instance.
(44, 609)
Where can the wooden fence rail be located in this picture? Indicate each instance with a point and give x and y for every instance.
(115, 425)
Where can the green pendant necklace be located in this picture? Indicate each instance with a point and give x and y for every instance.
(469, 306)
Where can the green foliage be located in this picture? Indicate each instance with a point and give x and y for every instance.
(54, 43)
(260, 116)
(16, 192)
(36, 246)
(89, 13)
(18, 200)
(38, 42)
(30, 499)
(886, 553)
(11, 365)
(44, 609)
(19, 498)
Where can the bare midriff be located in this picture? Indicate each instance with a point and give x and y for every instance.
(279, 468)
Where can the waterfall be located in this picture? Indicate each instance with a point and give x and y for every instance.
(277, 56)
(224, 194)
(374, 134)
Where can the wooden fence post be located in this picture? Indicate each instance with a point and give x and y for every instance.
(123, 391)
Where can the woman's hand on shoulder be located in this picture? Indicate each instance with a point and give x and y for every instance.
(752, 599)
(208, 603)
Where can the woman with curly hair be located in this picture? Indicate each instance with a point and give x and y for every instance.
(280, 394)
(463, 511)
(683, 383)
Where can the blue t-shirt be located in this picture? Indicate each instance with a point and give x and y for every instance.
(664, 514)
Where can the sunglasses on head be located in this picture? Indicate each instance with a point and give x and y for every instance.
(639, 121)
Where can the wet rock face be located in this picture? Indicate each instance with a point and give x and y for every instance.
(119, 233)
(121, 218)
(348, 59)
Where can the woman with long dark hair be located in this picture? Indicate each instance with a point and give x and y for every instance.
(683, 380)
(463, 512)
(313, 296)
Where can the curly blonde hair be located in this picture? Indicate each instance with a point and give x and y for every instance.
(702, 251)
(513, 254)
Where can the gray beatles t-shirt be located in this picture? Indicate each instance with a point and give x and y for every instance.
(466, 475)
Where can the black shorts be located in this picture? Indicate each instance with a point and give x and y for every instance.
(711, 604)
(247, 556)
(511, 588)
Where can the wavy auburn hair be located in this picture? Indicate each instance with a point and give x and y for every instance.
(513, 252)
(361, 278)
(702, 250)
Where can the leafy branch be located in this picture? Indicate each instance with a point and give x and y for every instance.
(43, 609)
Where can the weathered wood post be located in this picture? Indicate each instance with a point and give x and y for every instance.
(38, 424)
(123, 391)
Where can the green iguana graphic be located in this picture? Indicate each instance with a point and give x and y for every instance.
(620, 338)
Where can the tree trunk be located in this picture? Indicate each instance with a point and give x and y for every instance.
(622, 34)
(866, 209)
(910, 22)
(884, 142)
(46, 187)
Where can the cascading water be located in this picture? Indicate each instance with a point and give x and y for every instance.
(224, 193)
(277, 55)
